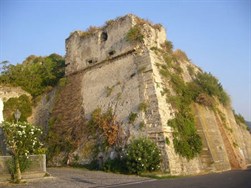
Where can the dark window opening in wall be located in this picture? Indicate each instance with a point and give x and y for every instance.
(90, 61)
(104, 36)
(132, 75)
(112, 52)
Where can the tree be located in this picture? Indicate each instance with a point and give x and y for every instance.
(22, 139)
(35, 75)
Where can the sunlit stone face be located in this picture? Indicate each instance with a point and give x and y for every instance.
(1, 110)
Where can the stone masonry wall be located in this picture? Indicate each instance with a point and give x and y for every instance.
(83, 52)
(115, 73)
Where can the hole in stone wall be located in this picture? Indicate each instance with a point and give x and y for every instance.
(112, 52)
(90, 61)
(104, 36)
(132, 75)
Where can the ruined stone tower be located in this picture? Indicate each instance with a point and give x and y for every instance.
(113, 71)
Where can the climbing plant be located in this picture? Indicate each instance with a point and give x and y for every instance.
(203, 89)
(187, 142)
(105, 125)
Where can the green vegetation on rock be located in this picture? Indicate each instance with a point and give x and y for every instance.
(132, 117)
(203, 89)
(211, 86)
(187, 142)
(240, 120)
(35, 75)
(22, 103)
(135, 35)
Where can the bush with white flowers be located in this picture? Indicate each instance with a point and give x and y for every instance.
(143, 155)
(22, 139)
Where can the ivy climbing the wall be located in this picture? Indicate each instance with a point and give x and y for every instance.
(187, 142)
(203, 89)
(104, 124)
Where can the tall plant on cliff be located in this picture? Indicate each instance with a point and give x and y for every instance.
(22, 139)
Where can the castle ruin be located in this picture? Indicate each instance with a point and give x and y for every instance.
(105, 69)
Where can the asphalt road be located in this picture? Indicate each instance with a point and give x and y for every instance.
(230, 179)
(79, 178)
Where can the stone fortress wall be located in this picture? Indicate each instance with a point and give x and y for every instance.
(116, 73)
(105, 70)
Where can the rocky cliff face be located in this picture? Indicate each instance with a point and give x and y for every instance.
(11, 92)
(140, 75)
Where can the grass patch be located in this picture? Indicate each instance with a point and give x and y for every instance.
(135, 35)
(158, 175)
(132, 117)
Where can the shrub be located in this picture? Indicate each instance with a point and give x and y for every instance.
(21, 103)
(115, 165)
(180, 55)
(22, 140)
(143, 106)
(240, 120)
(204, 99)
(110, 22)
(104, 124)
(191, 70)
(109, 90)
(62, 82)
(36, 74)
(135, 35)
(141, 125)
(167, 46)
(157, 26)
(210, 85)
(167, 141)
(168, 59)
(142, 155)
(24, 163)
(187, 142)
(132, 117)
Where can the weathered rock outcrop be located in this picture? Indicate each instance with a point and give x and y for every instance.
(7, 92)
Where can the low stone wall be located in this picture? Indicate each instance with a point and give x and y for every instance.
(36, 169)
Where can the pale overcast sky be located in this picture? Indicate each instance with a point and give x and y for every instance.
(214, 34)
